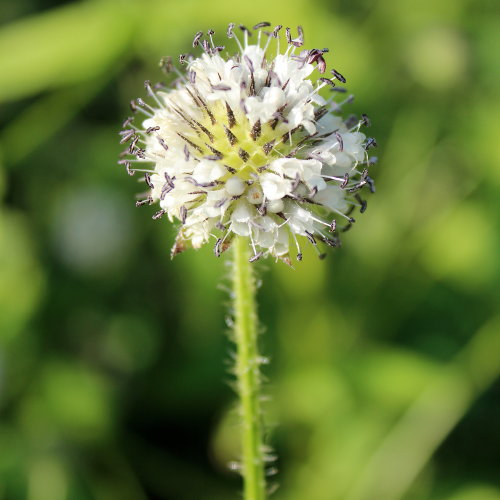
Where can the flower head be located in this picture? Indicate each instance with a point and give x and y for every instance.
(246, 145)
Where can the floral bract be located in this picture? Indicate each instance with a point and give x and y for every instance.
(246, 145)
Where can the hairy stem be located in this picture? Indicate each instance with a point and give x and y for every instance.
(247, 372)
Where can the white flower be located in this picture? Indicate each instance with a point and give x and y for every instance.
(245, 145)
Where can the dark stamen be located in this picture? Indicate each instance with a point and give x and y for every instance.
(230, 136)
(276, 30)
(245, 29)
(268, 146)
(192, 144)
(256, 130)
(163, 144)
(365, 121)
(183, 214)
(256, 257)
(159, 214)
(370, 143)
(221, 86)
(197, 38)
(230, 116)
(340, 141)
(216, 152)
(338, 76)
(243, 155)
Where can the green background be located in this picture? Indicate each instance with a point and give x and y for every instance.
(114, 362)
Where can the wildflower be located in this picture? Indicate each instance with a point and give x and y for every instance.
(245, 145)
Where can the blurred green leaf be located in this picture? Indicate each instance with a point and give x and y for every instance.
(65, 46)
(21, 276)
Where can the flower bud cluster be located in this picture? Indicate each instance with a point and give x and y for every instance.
(245, 145)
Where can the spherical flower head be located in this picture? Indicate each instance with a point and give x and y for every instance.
(245, 145)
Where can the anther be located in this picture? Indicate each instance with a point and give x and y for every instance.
(346, 181)
(331, 242)
(252, 85)
(159, 214)
(333, 226)
(320, 112)
(243, 155)
(230, 30)
(327, 81)
(261, 25)
(133, 144)
(183, 214)
(295, 183)
(197, 38)
(268, 146)
(230, 116)
(245, 29)
(140, 153)
(169, 180)
(299, 41)
(338, 76)
(217, 247)
(192, 144)
(150, 130)
(365, 121)
(230, 136)
(347, 227)
(206, 47)
(340, 141)
(147, 201)
(276, 30)
(128, 122)
(311, 237)
(363, 203)
(126, 135)
(351, 121)
(147, 178)
(371, 184)
(256, 130)
(249, 63)
(220, 203)
(221, 86)
(370, 143)
(256, 257)
(216, 152)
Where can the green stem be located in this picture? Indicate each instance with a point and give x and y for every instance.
(247, 372)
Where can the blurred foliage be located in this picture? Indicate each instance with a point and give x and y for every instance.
(385, 357)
